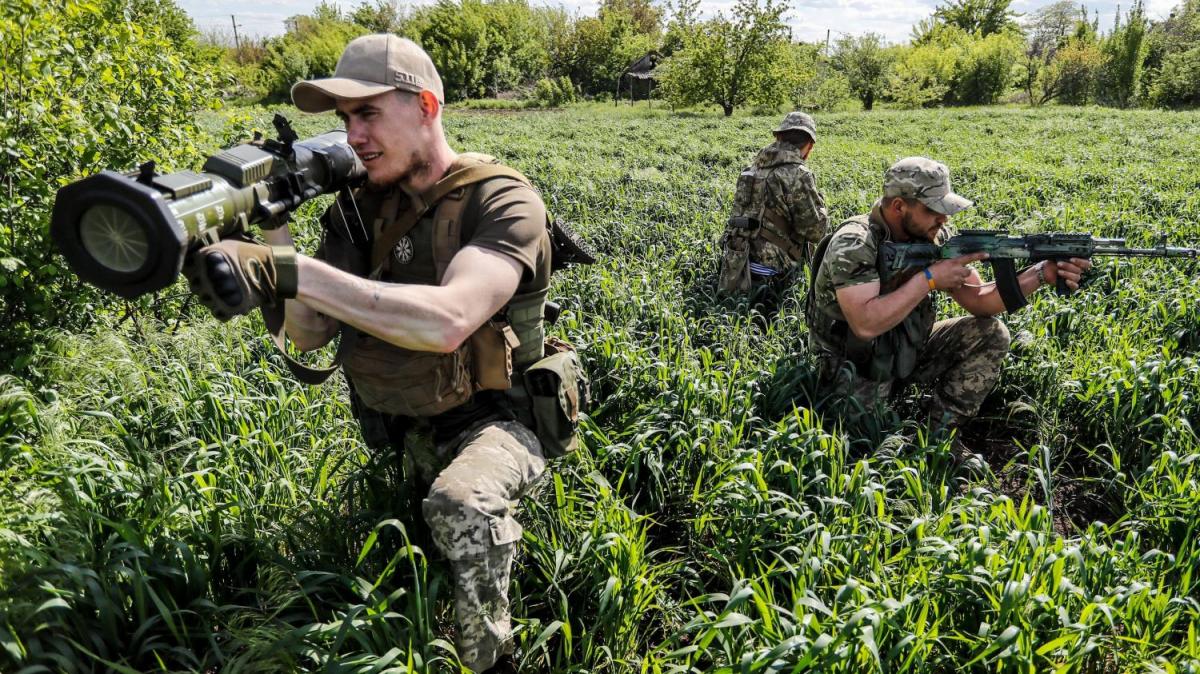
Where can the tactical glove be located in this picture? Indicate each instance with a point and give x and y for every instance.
(234, 277)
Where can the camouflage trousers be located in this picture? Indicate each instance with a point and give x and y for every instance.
(476, 479)
(961, 360)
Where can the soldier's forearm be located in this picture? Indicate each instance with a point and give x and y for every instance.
(876, 315)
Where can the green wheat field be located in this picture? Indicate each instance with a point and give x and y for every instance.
(176, 502)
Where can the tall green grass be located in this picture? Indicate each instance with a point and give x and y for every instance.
(172, 500)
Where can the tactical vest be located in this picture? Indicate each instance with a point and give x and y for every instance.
(892, 355)
(753, 219)
(404, 382)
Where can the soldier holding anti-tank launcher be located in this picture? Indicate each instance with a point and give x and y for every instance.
(435, 274)
(874, 328)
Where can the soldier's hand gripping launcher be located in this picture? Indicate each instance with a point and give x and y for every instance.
(129, 233)
(1003, 250)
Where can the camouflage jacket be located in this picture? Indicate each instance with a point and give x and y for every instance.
(780, 181)
(850, 258)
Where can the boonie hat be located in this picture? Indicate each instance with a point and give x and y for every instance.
(799, 121)
(371, 65)
(927, 181)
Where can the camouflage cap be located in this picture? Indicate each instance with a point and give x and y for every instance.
(799, 121)
(926, 180)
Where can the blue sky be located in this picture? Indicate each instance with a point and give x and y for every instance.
(809, 18)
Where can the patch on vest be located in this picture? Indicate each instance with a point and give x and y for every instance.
(403, 252)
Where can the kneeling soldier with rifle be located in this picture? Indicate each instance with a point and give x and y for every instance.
(873, 329)
(435, 274)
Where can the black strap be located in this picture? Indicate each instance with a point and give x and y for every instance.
(274, 320)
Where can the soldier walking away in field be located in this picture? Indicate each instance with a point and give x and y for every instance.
(870, 336)
(436, 277)
(778, 213)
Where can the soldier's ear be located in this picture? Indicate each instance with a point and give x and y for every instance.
(428, 102)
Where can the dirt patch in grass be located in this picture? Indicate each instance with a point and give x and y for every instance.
(1074, 501)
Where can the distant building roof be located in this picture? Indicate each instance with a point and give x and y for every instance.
(643, 68)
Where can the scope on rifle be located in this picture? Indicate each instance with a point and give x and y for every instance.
(129, 233)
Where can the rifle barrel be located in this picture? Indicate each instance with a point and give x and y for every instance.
(1157, 251)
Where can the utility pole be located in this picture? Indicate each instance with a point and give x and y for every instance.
(827, 31)
(237, 45)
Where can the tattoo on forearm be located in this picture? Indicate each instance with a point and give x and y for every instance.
(374, 288)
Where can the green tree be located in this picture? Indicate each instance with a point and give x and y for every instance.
(644, 16)
(482, 47)
(865, 62)
(1166, 39)
(382, 16)
(1069, 75)
(985, 72)
(961, 68)
(984, 17)
(1124, 50)
(310, 48)
(594, 51)
(83, 86)
(1178, 81)
(1045, 33)
(922, 75)
(731, 61)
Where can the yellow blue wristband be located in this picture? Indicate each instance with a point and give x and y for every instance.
(929, 278)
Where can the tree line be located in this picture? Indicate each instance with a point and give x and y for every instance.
(968, 52)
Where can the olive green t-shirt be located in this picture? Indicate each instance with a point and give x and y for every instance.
(503, 215)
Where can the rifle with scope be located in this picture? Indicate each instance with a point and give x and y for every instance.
(129, 233)
(1004, 250)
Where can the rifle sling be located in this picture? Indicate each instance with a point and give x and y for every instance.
(273, 318)
(1005, 271)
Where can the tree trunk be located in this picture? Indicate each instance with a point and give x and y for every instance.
(869, 101)
(728, 108)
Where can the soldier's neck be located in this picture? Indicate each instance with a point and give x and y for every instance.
(439, 160)
(895, 226)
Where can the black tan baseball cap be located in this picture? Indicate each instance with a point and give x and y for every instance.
(371, 65)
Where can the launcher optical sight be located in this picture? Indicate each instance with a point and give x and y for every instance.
(129, 233)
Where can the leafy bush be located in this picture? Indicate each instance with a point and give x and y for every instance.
(310, 48)
(86, 86)
(922, 76)
(482, 48)
(553, 92)
(829, 89)
(865, 62)
(956, 68)
(1178, 82)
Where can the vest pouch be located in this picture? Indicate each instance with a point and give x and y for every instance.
(491, 355)
(408, 383)
(734, 276)
(558, 393)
